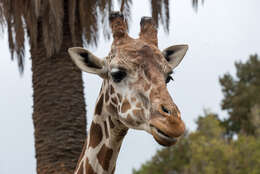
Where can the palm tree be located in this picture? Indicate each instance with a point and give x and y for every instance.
(196, 3)
(58, 102)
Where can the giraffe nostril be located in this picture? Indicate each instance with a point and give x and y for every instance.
(164, 109)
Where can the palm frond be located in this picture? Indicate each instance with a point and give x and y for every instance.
(167, 15)
(156, 8)
(12, 13)
(88, 20)
(160, 12)
(44, 19)
(19, 33)
(52, 23)
(125, 8)
(30, 19)
(195, 4)
(2, 20)
(105, 11)
(72, 4)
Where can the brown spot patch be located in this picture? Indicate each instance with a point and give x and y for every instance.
(80, 171)
(157, 93)
(106, 96)
(138, 122)
(147, 87)
(118, 121)
(111, 108)
(95, 135)
(114, 100)
(138, 112)
(125, 106)
(106, 130)
(133, 99)
(121, 134)
(111, 123)
(144, 99)
(99, 106)
(129, 119)
(112, 91)
(119, 97)
(113, 171)
(104, 156)
(89, 169)
(139, 105)
(147, 73)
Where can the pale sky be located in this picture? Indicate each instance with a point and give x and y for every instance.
(222, 32)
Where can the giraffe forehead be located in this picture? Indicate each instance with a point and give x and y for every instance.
(137, 55)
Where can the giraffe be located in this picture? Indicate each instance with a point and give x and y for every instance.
(133, 93)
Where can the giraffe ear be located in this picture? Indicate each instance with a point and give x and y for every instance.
(174, 54)
(86, 61)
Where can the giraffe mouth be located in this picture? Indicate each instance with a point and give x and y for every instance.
(162, 138)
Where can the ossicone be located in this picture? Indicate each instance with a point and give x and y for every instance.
(118, 26)
(148, 31)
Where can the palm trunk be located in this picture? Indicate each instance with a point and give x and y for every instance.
(59, 114)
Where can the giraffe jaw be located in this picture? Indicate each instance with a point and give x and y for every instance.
(162, 138)
(166, 130)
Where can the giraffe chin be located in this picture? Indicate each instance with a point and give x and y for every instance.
(162, 138)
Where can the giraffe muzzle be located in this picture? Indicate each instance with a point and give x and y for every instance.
(162, 138)
(167, 130)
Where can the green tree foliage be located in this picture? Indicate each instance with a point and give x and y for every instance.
(246, 155)
(162, 161)
(208, 126)
(255, 119)
(208, 144)
(241, 96)
(207, 151)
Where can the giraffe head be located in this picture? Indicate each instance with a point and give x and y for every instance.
(135, 76)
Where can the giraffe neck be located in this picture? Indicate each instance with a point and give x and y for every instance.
(103, 143)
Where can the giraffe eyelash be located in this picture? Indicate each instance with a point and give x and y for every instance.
(169, 78)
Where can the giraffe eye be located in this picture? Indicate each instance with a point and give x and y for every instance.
(118, 75)
(168, 79)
